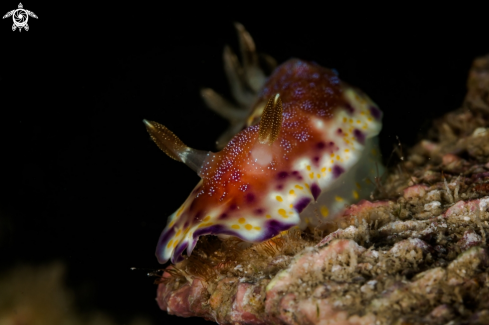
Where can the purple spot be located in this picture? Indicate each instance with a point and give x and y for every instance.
(282, 175)
(316, 159)
(337, 171)
(349, 109)
(376, 113)
(302, 204)
(214, 230)
(250, 197)
(279, 187)
(258, 211)
(315, 190)
(295, 172)
(339, 131)
(223, 216)
(320, 145)
(359, 135)
(233, 207)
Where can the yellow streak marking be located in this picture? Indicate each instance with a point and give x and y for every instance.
(355, 195)
(169, 244)
(268, 216)
(308, 167)
(358, 121)
(235, 227)
(323, 169)
(332, 161)
(248, 227)
(299, 187)
(175, 243)
(311, 175)
(241, 220)
(291, 206)
(207, 218)
(329, 169)
(318, 175)
(180, 211)
(337, 157)
(347, 150)
(307, 185)
(338, 198)
(257, 228)
(279, 198)
(332, 154)
(324, 211)
(178, 233)
(291, 192)
(171, 223)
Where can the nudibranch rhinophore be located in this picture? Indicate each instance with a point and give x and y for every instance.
(306, 147)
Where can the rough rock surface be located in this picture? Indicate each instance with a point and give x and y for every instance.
(416, 254)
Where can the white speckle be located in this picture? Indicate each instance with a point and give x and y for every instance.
(467, 218)
(336, 268)
(432, 205)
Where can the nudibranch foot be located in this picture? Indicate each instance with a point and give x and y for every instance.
(309, 148)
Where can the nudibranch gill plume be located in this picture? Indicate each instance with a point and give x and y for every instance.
(306, 148)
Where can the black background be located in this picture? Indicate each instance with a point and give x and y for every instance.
(80, 178)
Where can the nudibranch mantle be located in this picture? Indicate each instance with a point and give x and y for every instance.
(325, 156)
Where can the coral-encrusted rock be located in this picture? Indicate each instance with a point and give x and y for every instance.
(417, 255)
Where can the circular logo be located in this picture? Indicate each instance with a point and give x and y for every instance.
(20, 17)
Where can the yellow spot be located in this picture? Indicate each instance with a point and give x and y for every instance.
(279, 198)
(347, 150)
(171, 223)
(282, 213)
(308, 167)
(235, 227)
(347, 142)
(180, 211)
(370, 119)
(299, 187)
(364, 127)
(241, 220)
(362, 112)
(311, 175)
(350, 120)
(268, 216)
(332, 154)
(346, 134)
(374, 152)
(337, 157)
(345, 119)
(332, 161)
(307, 185)
(329, 169)
(175, 243)
(358, 185)
(355, 194)
(358, 121)
(248, 227)
(169, 244)
(318, 175)
(178, 233)
(368, 181)
(291, 206)
(291, 192)
(324, 211)
(323, 169)
(338, 198)
(307, 220)
(207, 218)
(257, 228)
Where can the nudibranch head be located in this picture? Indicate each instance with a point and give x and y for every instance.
(321, 158)
(306, 147)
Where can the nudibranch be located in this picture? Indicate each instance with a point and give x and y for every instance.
(308, 148)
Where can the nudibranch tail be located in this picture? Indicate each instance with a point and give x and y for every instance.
(170, 144)
(271, 121)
